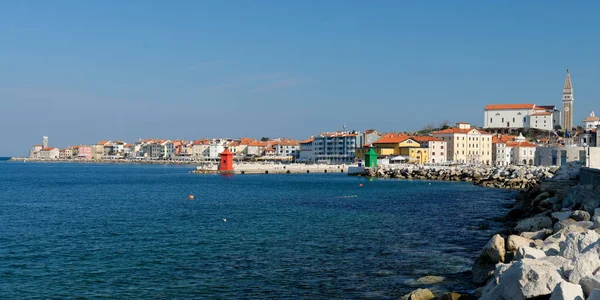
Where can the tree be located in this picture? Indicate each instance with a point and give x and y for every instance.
(264, 139)
(557, 127)
(444, 125)
(429, 127)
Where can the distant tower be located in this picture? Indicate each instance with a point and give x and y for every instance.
(567, 119)
(44, 142)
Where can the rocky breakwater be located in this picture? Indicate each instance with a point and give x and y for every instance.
(550, 248)
(515, 177)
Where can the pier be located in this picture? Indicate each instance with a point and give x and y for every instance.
(256, 168)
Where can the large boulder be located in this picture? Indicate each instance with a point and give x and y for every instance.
(529, 252)
(589, 283)
(537, 235)
(533, 224)
(576, 242)
(513, 242)
(562, 224)
(490, 255)
(567, 291)
(580, 215)
(525, 279)
(585, 265)
(419, 294)
(565, 266)
(561, 215)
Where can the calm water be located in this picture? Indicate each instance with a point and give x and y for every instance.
(129, 231)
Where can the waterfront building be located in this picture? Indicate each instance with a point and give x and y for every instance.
(591, 122)
(501, 156)
(49, 153)
(34, 153)
(200, 148)
(337, 147)
(557, 156)
(415, 149)
(514, 153)
(306, 150)
(167, 149)
(436, 148)
(567, 99)
(286, 147)
(85, 152)
(466, 144)
(62, 154)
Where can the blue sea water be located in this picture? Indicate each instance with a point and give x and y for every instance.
(130, 232)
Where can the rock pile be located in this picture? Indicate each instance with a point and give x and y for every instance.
(550, 249)
(515, 177)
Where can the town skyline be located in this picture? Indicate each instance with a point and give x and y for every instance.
(281, 70)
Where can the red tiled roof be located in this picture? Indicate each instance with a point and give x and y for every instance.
(520, 144)
(48, 149)
(309, 140)
(591, 119)
(502, 138)
(458, 130)
(425, 138)
(102, 142)
(509, 106)
(542, 113)
(392, 138)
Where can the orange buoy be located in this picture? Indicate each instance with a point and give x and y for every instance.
(360, 184)
(191, 197)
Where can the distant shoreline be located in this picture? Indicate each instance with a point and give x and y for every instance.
(105, 161)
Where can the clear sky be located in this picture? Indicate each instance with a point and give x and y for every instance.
(84, 71)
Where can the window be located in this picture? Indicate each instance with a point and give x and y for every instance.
(513, 120)
(502, 120)
(433, 153)
(490, 120)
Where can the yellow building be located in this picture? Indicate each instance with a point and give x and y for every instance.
(466, 144)
(394, 144)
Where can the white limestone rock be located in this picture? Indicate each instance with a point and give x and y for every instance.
(589, 283)
(585, 265)
(419, 294)
(533, 224)
(558, 226)
(491, 254)
(595, 222)
(565, 266)
(576, 242)
(513, 242)
(537, 235)
(567, 291)
(525, 279)
(529, 252)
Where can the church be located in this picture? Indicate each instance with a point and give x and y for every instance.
(502, 117)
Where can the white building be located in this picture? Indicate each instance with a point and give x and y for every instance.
(591, 121)
(467, 144)
(49, 153)
(35, 151)
(437, 148)
(286, 148)
(519, 116)
(510, 150)
(330, 147)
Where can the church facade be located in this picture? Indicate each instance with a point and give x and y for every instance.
(532, 116)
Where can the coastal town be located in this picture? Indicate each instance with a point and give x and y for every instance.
(512, 134)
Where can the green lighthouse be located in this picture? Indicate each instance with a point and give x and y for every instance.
(371, 158)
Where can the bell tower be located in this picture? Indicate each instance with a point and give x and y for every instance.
(567, 99)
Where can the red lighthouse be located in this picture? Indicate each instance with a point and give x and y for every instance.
(226, 163)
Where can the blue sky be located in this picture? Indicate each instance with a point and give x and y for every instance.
(84, 71)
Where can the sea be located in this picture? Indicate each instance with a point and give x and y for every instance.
(120, 231)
